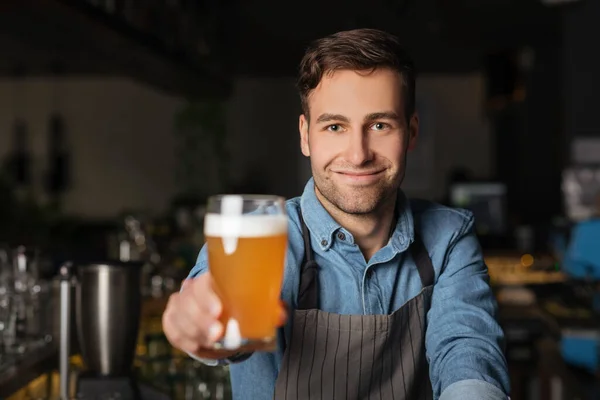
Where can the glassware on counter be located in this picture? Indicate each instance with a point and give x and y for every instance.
(6, 296)
(25, 303)
(31, 301)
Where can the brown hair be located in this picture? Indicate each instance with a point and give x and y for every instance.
(357, 50)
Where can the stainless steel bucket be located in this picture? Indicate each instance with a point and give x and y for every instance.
(108, 305)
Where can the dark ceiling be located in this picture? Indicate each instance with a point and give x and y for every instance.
(259, 37)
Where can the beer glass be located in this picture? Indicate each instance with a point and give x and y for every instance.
(246, 239)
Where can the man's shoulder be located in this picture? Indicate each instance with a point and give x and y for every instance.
(429, 215)
(292, 207)
(295, 226)
(293, 203)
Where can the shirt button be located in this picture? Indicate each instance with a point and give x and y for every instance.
(323, 242)
(341, 236)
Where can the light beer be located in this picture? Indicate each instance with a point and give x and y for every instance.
(246, 256)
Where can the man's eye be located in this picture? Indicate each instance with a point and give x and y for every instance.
(334, 128)
(379, 126)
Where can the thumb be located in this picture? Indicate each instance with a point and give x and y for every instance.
(186, 282)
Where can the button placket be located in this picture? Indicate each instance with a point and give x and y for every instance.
(367, 289)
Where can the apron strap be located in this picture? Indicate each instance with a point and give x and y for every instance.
(308, 253)
(423, 261)
(308, 293)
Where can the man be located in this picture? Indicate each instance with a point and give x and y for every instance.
(395, 300)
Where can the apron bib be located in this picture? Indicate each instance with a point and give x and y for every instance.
(333, 356)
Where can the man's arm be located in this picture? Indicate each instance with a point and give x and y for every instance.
(464, 340)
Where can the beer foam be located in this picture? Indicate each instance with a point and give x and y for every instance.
(244, 226)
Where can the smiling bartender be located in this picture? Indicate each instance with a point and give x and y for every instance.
(388, 297)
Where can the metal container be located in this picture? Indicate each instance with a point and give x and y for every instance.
(108, 314)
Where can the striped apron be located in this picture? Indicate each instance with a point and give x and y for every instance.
(333, 356)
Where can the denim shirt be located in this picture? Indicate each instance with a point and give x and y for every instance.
(464, 343)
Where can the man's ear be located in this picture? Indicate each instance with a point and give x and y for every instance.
(413, 131)
(303, 128)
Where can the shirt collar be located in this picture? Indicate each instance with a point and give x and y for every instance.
(404, 234)
(322, 226)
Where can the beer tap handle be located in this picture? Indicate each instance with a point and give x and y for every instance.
(65, 273)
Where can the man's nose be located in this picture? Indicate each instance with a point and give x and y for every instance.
(358, 151)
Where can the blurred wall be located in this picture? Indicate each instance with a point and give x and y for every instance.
(454, 120)
(581, 66)
(263, 128)
(121, 136)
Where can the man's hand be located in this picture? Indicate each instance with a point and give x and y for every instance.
(191, 319)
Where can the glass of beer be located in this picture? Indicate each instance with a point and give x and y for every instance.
(246, 239)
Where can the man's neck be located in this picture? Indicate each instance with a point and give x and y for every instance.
(371, 232)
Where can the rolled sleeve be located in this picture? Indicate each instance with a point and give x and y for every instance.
(464, 341)
(472, 389)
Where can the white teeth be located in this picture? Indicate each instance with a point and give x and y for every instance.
(233, 336)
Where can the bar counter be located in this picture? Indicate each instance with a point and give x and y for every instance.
(29, 369)
(157, 366)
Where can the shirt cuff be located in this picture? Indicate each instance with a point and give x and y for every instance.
(237, 358)
(207, 361)
(473, 389)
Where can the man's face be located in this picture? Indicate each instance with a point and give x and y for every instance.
(357, 138)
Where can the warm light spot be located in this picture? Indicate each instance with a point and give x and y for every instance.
(527, 260)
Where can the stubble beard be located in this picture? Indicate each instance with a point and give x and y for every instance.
(360, 200)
